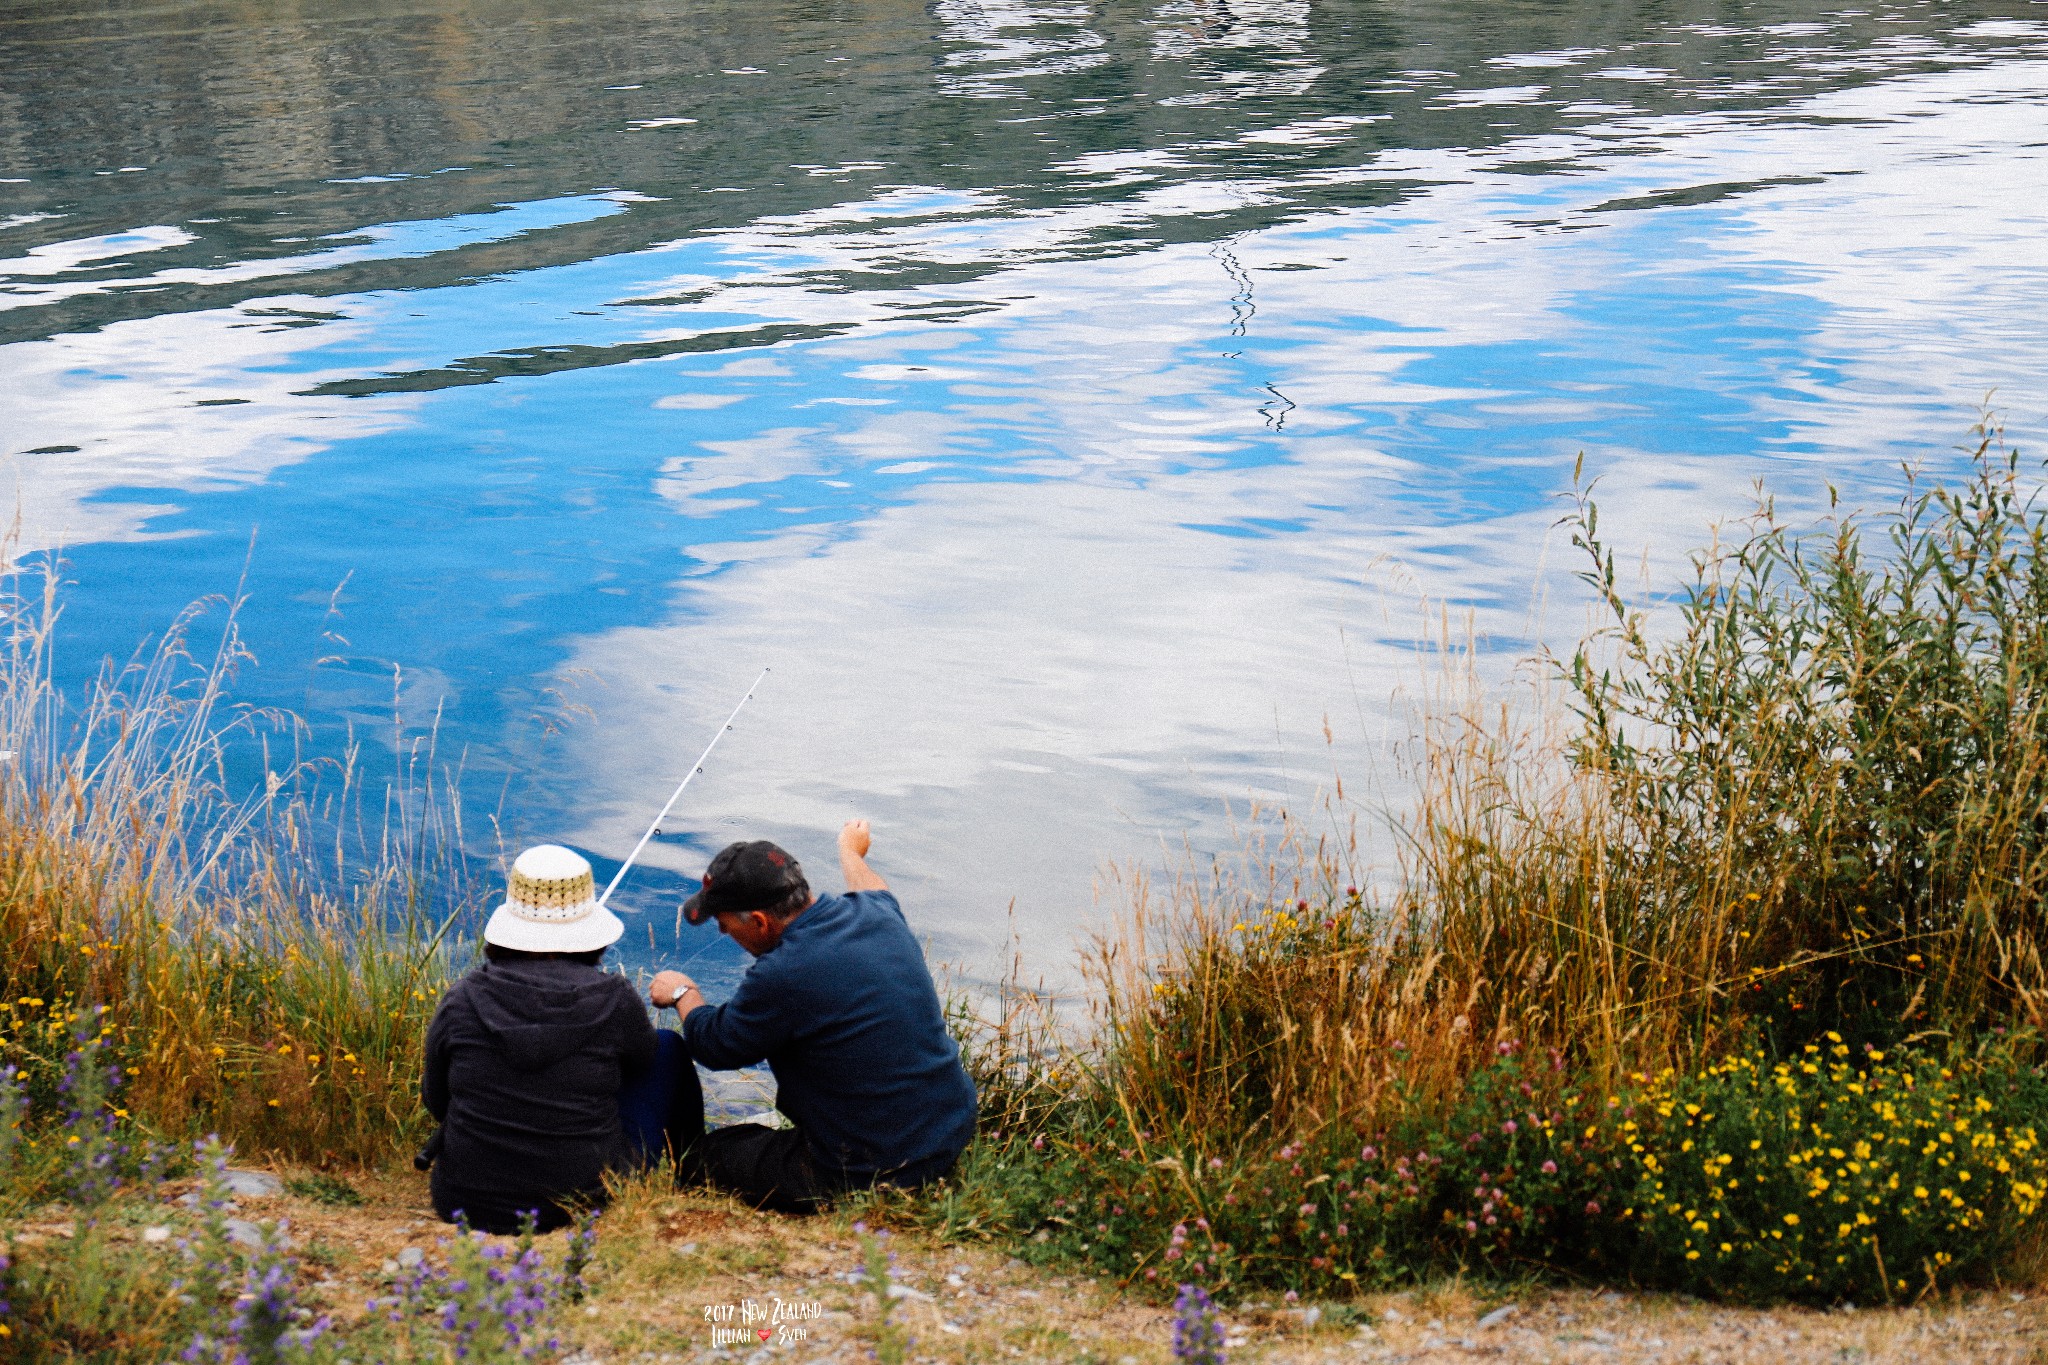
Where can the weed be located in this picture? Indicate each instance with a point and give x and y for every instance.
(877, 1266)
(1197, 1335)
(323, 1188)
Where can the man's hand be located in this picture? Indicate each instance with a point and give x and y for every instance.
(854, 842)
(669, 988)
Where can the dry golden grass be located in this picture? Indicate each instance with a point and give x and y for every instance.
(256, 984)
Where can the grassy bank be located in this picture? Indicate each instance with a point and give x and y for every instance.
(1712, 964)
(665, 1264)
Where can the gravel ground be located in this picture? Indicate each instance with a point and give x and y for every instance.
(677, 1268)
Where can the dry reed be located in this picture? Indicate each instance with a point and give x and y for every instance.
(267, 961)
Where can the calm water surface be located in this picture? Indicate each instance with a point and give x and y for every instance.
(1072, 402)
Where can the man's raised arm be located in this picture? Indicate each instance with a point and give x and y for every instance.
(854, 842)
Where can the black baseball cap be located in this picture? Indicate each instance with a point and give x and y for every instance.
(747, 876)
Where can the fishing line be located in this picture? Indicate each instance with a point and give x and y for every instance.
(699, 953)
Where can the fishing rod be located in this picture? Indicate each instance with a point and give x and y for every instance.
(676, 795)
(424, 1161)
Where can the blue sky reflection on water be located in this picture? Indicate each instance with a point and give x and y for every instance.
(1063, 517)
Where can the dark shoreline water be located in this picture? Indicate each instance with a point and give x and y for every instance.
(258, 135)
(1072, 402)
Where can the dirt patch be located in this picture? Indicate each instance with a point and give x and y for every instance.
(688, 1224)
(674, 1267)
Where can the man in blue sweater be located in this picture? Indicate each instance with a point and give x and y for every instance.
(841, 1006)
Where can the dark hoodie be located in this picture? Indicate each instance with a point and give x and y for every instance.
(524, 1064)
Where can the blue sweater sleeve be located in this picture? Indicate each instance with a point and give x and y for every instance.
(759, 1019)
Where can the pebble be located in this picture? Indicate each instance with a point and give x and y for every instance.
(1498, 1316)
(408, 1257)
(158, 1233)
(242, 1232)
(252, 1184)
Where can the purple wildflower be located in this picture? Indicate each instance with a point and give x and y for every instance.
(1197, 1335)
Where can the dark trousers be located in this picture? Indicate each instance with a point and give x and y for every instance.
(662, 1111)
(770, 1168)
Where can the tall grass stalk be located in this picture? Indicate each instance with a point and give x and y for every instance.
(266, 959)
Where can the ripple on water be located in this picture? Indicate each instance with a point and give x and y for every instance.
(1073, 404)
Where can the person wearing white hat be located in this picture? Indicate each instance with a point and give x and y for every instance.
(532, 1054)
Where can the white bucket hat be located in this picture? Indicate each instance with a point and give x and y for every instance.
(551, 906)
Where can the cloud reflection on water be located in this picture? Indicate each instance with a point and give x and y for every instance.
(1088, 505)
(1089, 657)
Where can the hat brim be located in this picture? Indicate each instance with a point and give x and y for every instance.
(705, 906)
(598, 929)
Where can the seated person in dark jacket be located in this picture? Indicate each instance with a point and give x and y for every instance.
(840, 1005)
(543, 1070)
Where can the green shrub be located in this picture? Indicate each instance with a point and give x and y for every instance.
(1830, 1176)
(1815, 1179)
(1824, 782)
(1499, 1179)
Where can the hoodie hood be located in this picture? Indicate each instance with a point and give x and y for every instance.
(537, 1013)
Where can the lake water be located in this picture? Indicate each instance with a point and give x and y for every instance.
(1072, 403)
